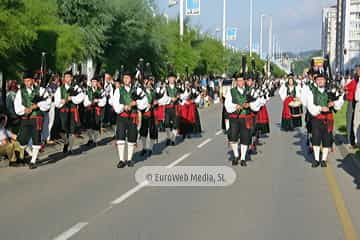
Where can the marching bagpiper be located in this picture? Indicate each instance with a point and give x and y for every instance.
(30, 103)
(320, 105)
(148, 120)
(171, 121)
(241, 119)
(67, 98)
(127, 101)
(94, 103)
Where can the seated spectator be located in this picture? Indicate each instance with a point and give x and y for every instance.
(8, 144)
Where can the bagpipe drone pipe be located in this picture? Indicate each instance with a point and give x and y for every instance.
(333, 88)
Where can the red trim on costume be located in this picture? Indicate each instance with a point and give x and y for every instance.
(262, 116)
(159, 114)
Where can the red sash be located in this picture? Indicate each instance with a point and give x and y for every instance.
(38, 120)
(328, 119)
(96, 108)
(248, 119)
(286, 114)
(134, 116)
(74, 111)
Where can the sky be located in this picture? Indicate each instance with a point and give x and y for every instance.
(296, 23)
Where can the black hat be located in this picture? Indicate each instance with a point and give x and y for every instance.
(249, 76)
(127, 73)
(239, 75)
(95, 78)
(172, 74)
(28, 74)
(68, 73)
(320, 75)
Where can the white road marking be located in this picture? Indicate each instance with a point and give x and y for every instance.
(219, 132)
(129, 193)
(72, 231)
(204, 143)
(179, 160)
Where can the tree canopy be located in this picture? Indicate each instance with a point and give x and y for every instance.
(112, 32)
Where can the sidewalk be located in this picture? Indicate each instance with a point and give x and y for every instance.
(53, 153)
(346, 150)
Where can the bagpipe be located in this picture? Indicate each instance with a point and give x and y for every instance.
(334, 88)
(138, 89)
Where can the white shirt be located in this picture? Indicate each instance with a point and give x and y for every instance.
(142, 104)
(79, 98)
(43, 105)
(316, 109)
(100, 103)
(231, 107)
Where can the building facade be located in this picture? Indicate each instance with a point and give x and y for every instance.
(348, 35)
(328, 40)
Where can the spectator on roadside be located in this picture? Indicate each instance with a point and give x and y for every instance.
(350, 86)
(8, 144)
(356, 111)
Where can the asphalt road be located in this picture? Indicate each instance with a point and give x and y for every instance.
(278, 196)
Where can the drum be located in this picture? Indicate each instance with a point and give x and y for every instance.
(296, 109)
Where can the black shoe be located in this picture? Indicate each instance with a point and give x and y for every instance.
(143, 153)
(168, 142)
(243, 163)
(90, 143)
(130, 163)
(66, 148)
(323, 164)
(315, 164)
(172, 143)
(14, 164)
(235, 162)
(121, 164)
(32, 166)
(150, 152)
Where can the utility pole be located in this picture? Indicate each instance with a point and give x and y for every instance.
(251, 27)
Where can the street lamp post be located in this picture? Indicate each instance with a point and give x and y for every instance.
(251, 26)
(224, 24)
(181, 13)
(261, 36)
(270, 38)
(270, 45)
